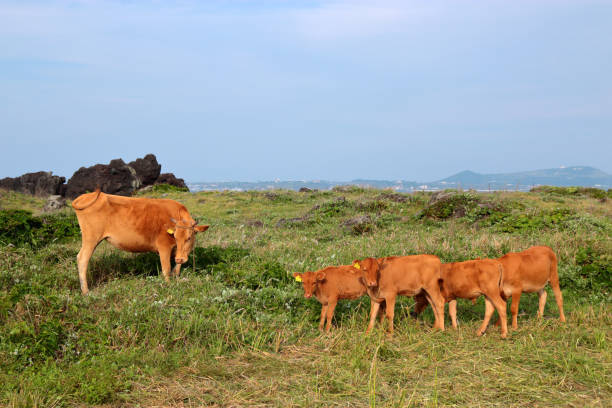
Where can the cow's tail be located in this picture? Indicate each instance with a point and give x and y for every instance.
(75, 203)
(500, 284)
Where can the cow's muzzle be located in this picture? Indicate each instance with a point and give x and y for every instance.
(180, 260)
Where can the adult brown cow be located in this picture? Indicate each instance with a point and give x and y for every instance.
(402, 275)
(134, 225)
(530, 271)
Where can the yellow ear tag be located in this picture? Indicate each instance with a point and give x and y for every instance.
(170, 231)
(357, 266)
(298, 278)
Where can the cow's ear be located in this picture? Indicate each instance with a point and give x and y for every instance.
(170, 231)
(297, 276)
(201, 228)
(320, 276)
(356, 264)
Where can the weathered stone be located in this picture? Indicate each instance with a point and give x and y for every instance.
(171, 179)
(41, 184)
(147, 169)
(396, 197)
(113, 178)
(54, 203)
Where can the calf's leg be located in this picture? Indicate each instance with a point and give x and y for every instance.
(323, 314)
(500, 306)
(452, 311)
(541, 301)
(437, 304)
(390, 310)
(374, 307)
(554, 283)
(489, 308)
(420, 305)
(330, 313)
(516, 298)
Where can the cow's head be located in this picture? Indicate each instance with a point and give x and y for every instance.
(369, 268)
(309, 280)
(184, 231)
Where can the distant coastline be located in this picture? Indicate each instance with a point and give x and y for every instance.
(584, 176)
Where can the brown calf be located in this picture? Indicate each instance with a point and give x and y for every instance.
(134, 225)
(406, 275)
(469, 280)
(530, 271)
(330, 284)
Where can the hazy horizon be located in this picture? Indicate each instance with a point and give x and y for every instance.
(303, 90)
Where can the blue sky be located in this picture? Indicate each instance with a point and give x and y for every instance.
(337, 90)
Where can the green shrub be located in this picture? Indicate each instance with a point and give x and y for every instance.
(20, 227)
(524, 222)
(454, 205)
(167, 188)
(595, 268)
(572, 191)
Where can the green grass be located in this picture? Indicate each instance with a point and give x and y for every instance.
(235, 330)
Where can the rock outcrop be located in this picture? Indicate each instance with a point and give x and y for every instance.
(147, 169)
(117, 177)
(40, 184)
(169, 178)
(113, 178)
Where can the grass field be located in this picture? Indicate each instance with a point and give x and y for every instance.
(234, 330)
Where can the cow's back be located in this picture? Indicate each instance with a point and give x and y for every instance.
(344, 281)
(528, 270)
(467, 279)
(409, 274)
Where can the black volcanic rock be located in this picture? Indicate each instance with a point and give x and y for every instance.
(41, 184)
(169, 178)
(113, 178)
(147, 169)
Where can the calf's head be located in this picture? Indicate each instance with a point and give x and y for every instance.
(309, 280)
(369, 268)
(184, 232)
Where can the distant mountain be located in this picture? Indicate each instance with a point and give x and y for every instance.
(564, 176)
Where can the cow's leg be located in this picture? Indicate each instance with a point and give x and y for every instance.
(489, 309)
(323, 314)
(420, 305)
(516, 298)
(541, 301)
(554, 283)
(330, 313)
(437, 304)
(452, 311)
(374, 307)
(83, 257)
(500, 306)
(390, 310)
(177, 270)
(382, 314)
(164, 259)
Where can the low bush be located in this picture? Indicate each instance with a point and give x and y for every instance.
(573, 191)
(20, 227)
(167, 188)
